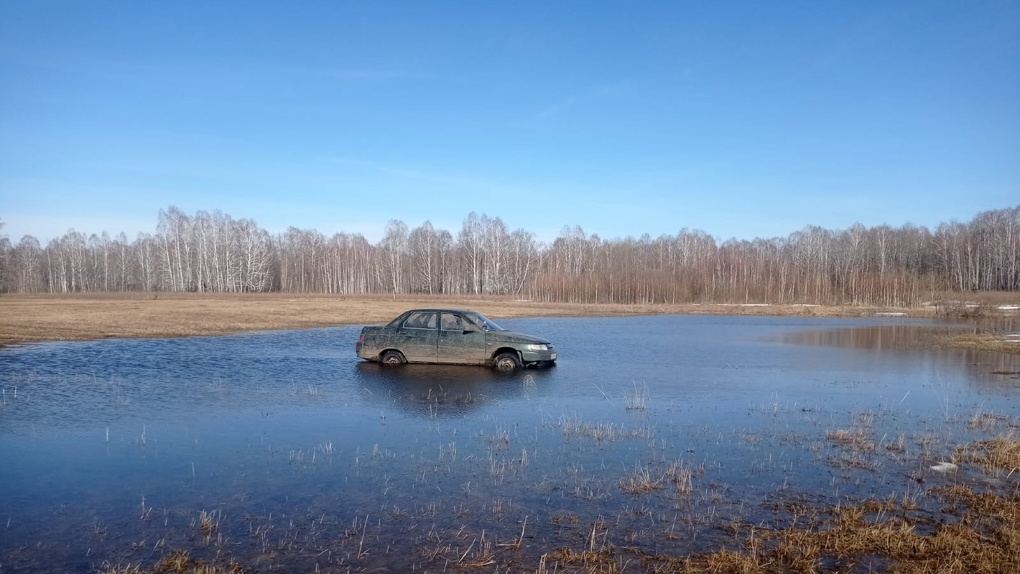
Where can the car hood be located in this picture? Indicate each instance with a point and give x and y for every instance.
(515, 337)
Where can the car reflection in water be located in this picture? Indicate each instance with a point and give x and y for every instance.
(445, 390)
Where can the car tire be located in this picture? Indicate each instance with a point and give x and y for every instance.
(506, 362)
(392, 358)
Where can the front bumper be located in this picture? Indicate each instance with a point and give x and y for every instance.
(539, 356)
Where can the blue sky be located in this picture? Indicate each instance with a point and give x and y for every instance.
(741, 119)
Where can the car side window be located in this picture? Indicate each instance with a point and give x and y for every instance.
(452, 322)
(420, 321)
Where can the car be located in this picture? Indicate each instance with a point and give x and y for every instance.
(454, 337)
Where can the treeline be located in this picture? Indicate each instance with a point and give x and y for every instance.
(213, 252)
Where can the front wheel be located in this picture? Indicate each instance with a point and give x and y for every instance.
(506, 362)
(392, 358)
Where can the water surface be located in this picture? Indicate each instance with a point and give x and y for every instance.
(281, 448)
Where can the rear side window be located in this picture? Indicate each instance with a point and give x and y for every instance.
(421, 320)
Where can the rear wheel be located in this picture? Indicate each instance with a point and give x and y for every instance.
(506, 362)
(392, 358)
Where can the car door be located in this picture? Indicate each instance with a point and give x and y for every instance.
(418, 336)
(460, 340)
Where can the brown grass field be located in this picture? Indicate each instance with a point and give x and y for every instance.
(37, 318)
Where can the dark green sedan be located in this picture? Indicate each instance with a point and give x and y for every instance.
(453, 337)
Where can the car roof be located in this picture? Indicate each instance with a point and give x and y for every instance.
(438, 309)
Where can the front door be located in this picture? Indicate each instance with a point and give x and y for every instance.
(460, 340)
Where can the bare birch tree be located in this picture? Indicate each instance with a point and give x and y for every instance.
(210, 251)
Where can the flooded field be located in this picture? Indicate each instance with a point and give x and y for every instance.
(654, 439)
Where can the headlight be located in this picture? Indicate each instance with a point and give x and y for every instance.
(537, 347)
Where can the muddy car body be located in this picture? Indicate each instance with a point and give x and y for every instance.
(455, 337)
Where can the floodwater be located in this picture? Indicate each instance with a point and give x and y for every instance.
(283, 450)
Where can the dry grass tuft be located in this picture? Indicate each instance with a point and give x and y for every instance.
(208, 521)
(177, 562)
(726, 562)
(480, 554)
(986, 421)
(1000, 454)
(637, 400)
(640, 481)
(718, 562)
(851, 439)
(601, 561)
(677, 474)
(978, 342)
(856, 443)
(899, 445)
(682, 477)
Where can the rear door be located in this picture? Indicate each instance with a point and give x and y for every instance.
(460, 340)
(418, 336)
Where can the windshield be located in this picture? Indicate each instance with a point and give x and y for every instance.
(484, 322)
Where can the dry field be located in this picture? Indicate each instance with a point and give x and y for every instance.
(35, 318)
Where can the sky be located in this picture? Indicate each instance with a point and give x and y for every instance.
(740, 119)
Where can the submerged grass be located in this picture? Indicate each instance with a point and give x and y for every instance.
(658, 516)
(974, 530)
(885, 536)
(600, 432)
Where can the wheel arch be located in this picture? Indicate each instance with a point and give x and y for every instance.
(384, 352)
(500, 350)
(507, 360)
